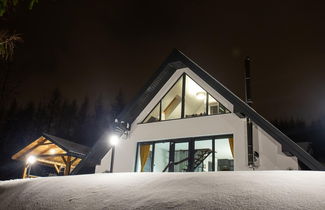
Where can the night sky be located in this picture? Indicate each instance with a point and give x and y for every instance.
(96, 47)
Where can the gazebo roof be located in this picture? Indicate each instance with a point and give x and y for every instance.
(53, 150)
(67, 145)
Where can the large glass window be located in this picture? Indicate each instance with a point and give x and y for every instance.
(161, 157)
(181, 157)
(144, 159)
(195, 99)
(171, 103)
(154, 115)
(215, 107)
(193, 154)
(203, 160)
(197, 102)
(224, 154)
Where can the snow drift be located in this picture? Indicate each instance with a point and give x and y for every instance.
(213, 190)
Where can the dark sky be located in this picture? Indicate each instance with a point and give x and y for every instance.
(96, 47)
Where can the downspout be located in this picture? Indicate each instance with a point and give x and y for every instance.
(249, 124)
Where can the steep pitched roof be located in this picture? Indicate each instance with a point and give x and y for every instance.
(177, 60)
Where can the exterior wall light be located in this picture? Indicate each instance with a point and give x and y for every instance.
(31, 160)
(52, 151)
(114, 139)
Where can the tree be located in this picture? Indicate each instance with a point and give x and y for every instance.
(8, 43)
(9, 5)
(81, 129)
(53, 110)
(101, 118)
(7, 125)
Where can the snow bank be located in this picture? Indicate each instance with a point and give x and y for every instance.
(220, 190)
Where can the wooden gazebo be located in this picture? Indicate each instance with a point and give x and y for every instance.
(53, 151)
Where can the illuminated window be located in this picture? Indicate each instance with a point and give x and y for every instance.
(144, 159)
(224, 154)
(161, 157)
(154, 115)
(197, 102)
(215, 107)
(171, 104)
(196, 154)
(195, 99)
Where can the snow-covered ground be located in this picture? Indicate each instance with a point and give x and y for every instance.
(220, 190)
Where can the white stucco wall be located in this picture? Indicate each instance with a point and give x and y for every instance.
(105, 164)
(271, 157)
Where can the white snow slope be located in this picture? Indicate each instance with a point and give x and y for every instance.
(213, 190)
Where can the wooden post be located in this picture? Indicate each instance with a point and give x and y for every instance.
(57, 169)
(25, 172)
(67, 166)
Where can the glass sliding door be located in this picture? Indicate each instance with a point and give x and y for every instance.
(161, 157)
(181, 157)
(144, 159)
(224, 155)
(203, 156)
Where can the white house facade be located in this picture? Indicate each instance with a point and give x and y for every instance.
(186, 121)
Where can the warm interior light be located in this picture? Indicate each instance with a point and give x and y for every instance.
(114, 139)
(192, 87)
(31, 159)
(52, 151)
(200, 95)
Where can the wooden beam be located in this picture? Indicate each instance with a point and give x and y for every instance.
(68, 166)
(24, 153)
(48, 149)
(57, 169)
(50, 162)
(74, 160)
(47, 143)
(54, 155)
(172, 106)
(64, 160)
(24, 171)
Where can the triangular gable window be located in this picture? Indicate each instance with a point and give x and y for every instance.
(154, 115)
(185, 99)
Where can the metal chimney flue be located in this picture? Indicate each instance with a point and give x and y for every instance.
(248, 100)
(248, 96)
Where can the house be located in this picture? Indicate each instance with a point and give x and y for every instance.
(185, 120)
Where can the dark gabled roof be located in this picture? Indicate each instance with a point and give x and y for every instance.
(69, 146)
(177, 60)
(97, 152)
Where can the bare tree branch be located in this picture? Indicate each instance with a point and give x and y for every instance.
(7, 44)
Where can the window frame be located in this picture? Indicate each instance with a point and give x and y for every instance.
(191, 144)
(183, 76)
